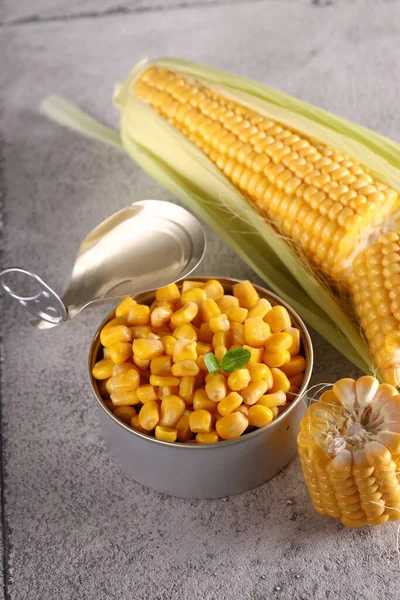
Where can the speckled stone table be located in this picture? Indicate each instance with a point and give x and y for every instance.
(74, 527)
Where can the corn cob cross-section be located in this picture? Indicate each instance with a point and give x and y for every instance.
(349, 447)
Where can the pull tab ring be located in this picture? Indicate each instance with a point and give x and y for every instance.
(45, 304)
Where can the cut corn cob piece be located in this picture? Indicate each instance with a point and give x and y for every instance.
(349, 447)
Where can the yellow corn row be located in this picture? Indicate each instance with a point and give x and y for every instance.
(349, 447)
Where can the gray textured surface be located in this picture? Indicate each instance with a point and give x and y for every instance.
(75, 526)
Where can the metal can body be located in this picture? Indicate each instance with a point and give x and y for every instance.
(209, 470)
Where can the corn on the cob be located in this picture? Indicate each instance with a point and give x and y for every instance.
(349, 447)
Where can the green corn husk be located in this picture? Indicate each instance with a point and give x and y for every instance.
(180, 166)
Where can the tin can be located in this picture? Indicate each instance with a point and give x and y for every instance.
(206, 470)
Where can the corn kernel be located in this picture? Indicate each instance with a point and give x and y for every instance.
(202, 401)
(209, 309)
(275, 411)
(117, 369)
(172, 409)
(109, 386)
(227, 302)
(124, 398)
(169, 343)
(256, 332)
(106, 353)
(260, 372)
(201, 363)
(140, 363)
(147, 349)
(165, 434)
(276, 359)
(246, 293)
(146, 393)
(256, 354)
(103, 369)
(229, 404)
(163, 381)
(244, 409)
(196, 295)
(222, 338)
(124, 413)
(166, 390)
(281, 382)
(161, 365)
(139, 314)
(203, 348)
(232, 426)
(169, 293)
(205, 333)
(140, 332)
(294, 348)
(186, 332)
(213, 289)
(273, 400)
(237, 314)
(207, 438)
(297, 380)
(278, 342)
(294, 366)
(254, 391)
(149, 415)
(237, 330)
(200, 421)
(160, 315)
(136, 425)
(120, 352)
(189, 285)
(183, 428)
(184, 350)
(262, 307)
(278, 319)
(216, 387)
(113, 335)
(220, 323)
(124, 307)
(128, 381)
(184, 315)
(220, 352)
(185, 368)
(260, 415)
(239, 379)
(187, 388)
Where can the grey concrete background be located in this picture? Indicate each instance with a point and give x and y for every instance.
(74, 527)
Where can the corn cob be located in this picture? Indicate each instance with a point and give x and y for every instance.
(321, 199)
(349, 447)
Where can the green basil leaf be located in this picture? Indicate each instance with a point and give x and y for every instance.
(211, 363)
(235, 359)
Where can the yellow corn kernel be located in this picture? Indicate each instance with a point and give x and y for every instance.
(222, 338)
(276, 359)
(120, 352)
(239, 379)
(139, 314)
(113, 335)
(183, 428)
(278, 342)
(244, 409)
(280, 382)
(165, 434)
(117, 369)
(184, 315)
(164, 381)
(202, 401)
(128, 381)
(169, 343)
(246, 293)
(140, 363)
(220, 323)
(160, 315)
(136, 425)
(196, 295)
(209, 310)
(190, 284)
(256, 332)
(166, 390)
(124, 413)
(295, 366)
(185, 368)
(273, 400)
(149, 415)
(201, 364)
(260, 372)
(203, 348)
(232, 426)
(275, 411)
(205, 333)
(237, 314)
(146, 393)
(172, 409)
(124, 307)
(256, 354)
(169, 293)
(140, 332)
(187, 388)
(186, 332)
(214, 289)
(297, 380)
(109, 386)
(260, 415)
(161, 365)
(229, 404)
(216, 387)
(147, 349)
(227, 302)
(278, 319)
(237, 330)
(103, 369)
(102, 387)
(262, 307)
(254, 391)
(184, 350)
(207, 438)
(220, 352)
(200, 421)
(294, 348)
(124, 398)
(106, 353)
(116, 321)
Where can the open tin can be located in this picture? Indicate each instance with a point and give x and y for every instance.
(206, 470)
